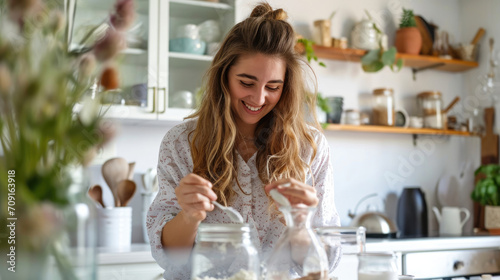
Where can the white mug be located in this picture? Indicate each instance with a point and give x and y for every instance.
(449, 219)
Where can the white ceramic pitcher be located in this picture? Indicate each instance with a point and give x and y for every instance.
(449, 220)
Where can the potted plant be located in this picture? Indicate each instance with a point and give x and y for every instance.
(408, 38)
(487, 193)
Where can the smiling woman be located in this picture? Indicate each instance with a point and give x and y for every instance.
(248, 137)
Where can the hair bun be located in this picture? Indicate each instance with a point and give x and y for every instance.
(265, 10)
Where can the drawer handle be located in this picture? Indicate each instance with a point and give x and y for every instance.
(458, 265)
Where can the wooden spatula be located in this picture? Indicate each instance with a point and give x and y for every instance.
(114, 171)
(489, 142)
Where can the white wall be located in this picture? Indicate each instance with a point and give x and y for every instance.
(363, 161)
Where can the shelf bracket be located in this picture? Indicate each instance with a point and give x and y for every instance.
(416, 70)
(415, 137)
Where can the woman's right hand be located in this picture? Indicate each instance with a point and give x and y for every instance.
(194, 195)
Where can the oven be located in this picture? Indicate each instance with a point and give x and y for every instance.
(450, 264)
(443, 258)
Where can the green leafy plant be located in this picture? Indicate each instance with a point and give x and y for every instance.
(407, 19)
(487, 190)
(322, 103)
(375, 60)
(309, 51)
(43, 135)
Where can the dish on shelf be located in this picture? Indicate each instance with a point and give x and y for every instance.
(187, 45)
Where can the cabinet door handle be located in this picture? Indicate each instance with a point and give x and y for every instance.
(154, 99)
(164, 99)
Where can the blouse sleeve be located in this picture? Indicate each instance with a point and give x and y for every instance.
(174, 163)
(322, 171)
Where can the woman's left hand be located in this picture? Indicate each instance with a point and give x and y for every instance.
(297, 192)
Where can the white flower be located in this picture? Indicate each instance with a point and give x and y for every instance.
(89, 111)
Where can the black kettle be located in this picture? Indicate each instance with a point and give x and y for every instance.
(412, 218)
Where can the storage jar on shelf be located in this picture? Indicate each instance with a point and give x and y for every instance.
(429, 106)
(383, 107)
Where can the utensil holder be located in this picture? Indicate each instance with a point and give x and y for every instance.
(115, 227)
(147, 199)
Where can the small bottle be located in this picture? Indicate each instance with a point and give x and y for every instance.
(377, 266)
(224, 251)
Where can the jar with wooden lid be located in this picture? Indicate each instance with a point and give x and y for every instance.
(383, 107)
(430, 106)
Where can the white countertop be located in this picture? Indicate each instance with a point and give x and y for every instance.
(432, 243)
(141, 253)
(137, 253)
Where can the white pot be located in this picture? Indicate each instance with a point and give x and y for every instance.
(492, 217)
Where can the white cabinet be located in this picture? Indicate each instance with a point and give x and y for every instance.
(182, 71)
(150, 73)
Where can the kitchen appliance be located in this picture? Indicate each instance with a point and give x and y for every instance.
(443, 258)
(450, 223)
(377, 224)
(412, 218)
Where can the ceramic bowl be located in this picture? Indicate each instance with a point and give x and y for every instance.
(188, 45)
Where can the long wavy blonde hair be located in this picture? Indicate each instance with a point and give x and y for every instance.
(282, 136)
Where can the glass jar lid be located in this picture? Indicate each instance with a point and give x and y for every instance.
(376, 254)
(383, 91)
(429, 94)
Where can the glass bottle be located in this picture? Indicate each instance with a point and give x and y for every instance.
(79, 241)
(224, 251)
(377, 266)
(383, 107)
(298, 254)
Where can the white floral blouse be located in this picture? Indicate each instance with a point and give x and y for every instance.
(175, 163)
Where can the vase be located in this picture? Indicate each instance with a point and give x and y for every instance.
(298, 254)
(56, 242)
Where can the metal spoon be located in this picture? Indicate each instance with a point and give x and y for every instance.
(234, 215)
(95, 192)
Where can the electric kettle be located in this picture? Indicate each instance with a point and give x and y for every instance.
(412, 217)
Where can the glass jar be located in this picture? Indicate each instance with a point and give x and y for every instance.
(335, 103)
(377, 266)
(383, 107)
(298, 254)
(429, 105)
(224, 251)
(339, 243)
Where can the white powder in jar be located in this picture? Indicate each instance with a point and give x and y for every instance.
(240, 275)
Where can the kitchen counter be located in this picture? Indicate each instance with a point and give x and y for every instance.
(138, 253)
(432, 243)
(133, 263)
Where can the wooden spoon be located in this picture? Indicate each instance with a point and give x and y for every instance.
(95, 192)
(126, 190)
(453, 102)
(114, 171)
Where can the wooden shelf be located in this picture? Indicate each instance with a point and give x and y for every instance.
(413, 61)
(397, 130)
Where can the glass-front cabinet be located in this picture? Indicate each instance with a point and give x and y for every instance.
(170, 47)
